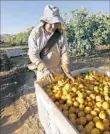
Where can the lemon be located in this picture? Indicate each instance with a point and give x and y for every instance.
(106, 126)
(95, 131)
(65, 112)
(96, 88)
(80, 128)
(106, 105)
(92, 124)
(88, 99)
(65, 107)
(63, 97)
(98, 104)
(89, 117)
(76, 104)
(73, 121)
(90, 104)
(81, 95)
(96, 119)
(108, 112)
(98, 98)
(100, 125)
(107, 98)
(81, 114)
(57, 96)
(60, 83)
(82, 120)
(72, 116)
(97, 109)
(68, 96)
(102, 115)
(88, 128)
(92, 96)
(69, 102)
(76, 110)
(57, 103)
(72, 110)
(48, 90)
(80, 100)
(61, 101)
(81, 86)
(53, 98)
(106, 121)
(78, 121)
(50, 93)
(106, 89)
(106, 132)
(81, 107)
(74, 89)
(87, 109)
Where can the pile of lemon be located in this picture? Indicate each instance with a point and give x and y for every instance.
(85, 102)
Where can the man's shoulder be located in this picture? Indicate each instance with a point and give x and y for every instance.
(36, 31)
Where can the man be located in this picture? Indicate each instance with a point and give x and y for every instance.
(49, 58)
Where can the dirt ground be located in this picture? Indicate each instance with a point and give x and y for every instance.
(21, 116)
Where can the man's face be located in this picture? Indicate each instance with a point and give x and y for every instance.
(51, 27)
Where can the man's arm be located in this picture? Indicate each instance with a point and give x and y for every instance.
(65, 61)
(33, 53)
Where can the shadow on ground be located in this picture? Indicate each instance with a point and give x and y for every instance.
(10, 128)
(10, 86)
(11, 83)
(97, 60)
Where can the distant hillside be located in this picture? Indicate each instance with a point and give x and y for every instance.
(19, 39)
(4, 35)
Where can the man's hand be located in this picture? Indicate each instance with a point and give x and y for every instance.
(66, 71)
(70, 76)
(48, 75)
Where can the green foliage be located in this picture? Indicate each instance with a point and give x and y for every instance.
(18, 39)
(85, 31)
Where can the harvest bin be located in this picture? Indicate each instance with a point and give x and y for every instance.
(52, 119)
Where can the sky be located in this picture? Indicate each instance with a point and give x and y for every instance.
(17, 16)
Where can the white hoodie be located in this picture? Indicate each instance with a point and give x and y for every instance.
(56, 56)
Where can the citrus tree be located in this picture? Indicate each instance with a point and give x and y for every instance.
(18, 39)
(85, 31)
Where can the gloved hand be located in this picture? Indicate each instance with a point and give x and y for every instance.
(65, 68)
(48, 75)
(41, 67)
(70, 76)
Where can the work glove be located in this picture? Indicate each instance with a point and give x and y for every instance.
(65, 68)
(69, 75)
(41, 67)
(48, 75)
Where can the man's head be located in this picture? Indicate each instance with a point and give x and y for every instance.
(51, 18)
(52, 27)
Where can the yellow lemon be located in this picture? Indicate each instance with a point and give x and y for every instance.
(96, 118)
(102, 115)
(106, 132)
(106, 105)
(73, 121)
(89, 117)
(100, 125)
(95, 131)
(83, 120)
(81, 114)
(87, 109)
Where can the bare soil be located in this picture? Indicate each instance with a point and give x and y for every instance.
(19, 113)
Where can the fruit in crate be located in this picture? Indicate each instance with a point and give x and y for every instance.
(85, 102)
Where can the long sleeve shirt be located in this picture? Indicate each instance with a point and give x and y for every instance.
(56, 56)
